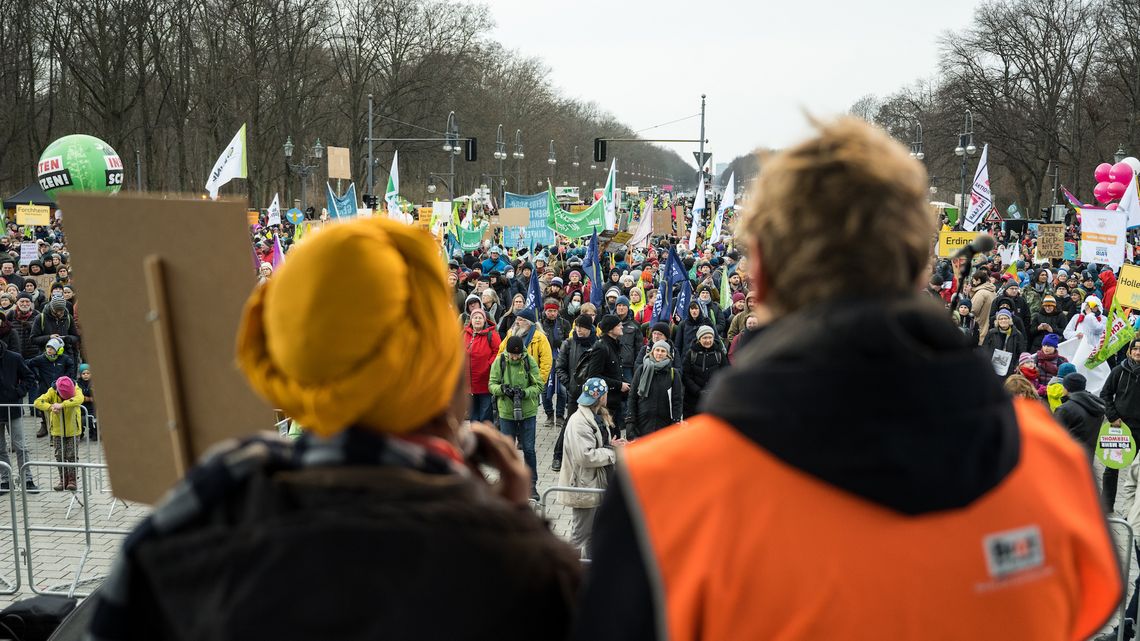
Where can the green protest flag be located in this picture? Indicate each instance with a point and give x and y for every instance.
(725, 296)
(1118, 333)
(577, 225)
(469, 239)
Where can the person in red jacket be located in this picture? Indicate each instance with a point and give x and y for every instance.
(1108, 285)
(482, 343)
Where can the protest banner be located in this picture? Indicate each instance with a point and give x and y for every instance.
(1070, 251)
(538, 231)
(43, 281)
(1103, 237)
(1051, 241)
(949, 242)
(28, 253)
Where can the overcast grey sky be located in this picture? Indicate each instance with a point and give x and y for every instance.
(760, 63)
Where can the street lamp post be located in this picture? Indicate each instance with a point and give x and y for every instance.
(452, 149)
(551, 160)
(501, 155)
(965, 149)
(1120, 154)
(576, 165)
(916, 144)
(302, 168)
(518, 155)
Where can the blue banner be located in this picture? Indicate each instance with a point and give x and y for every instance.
(342, 206)
(1070, 251)
(538, 232)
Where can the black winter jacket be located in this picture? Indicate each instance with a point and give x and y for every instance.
(23, 329)
(48, 371)
(572, 351)
(1082, 414)
(663, 406)
(605, 363)
(16, 380)
(1015, 344)
(1121, 393)
(631, 339)
(700, 365)
(47, 324)
(1057, 320)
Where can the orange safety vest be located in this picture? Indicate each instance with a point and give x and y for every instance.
(747, 547)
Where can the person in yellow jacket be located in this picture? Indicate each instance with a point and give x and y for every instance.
(62, 403)
(792, 509)
(536, 343)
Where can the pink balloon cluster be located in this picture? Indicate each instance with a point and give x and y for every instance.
(1112, 180)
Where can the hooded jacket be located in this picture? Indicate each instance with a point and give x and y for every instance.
(981, 302)
(482, 347)
(68, 421)
(1121, 393)
(572, 351)
(685, 334)
(1108, 286)
(1082, 414)
(47, 371)
(703, 545)
(522, 374)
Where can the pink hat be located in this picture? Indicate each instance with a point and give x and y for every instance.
(65, 387)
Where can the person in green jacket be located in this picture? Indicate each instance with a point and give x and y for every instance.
(516, 384)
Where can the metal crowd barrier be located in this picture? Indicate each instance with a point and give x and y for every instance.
(13, 586)
(561, 489)
(84, 470)
(1125, 569)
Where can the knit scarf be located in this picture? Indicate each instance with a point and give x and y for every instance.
(649, 367)
(529, 335)
(227, 472)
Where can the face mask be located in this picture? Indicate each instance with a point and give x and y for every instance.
(574, 307)
(510, 273)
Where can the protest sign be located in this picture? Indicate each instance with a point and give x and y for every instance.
(1115, 446)
(662, 223)
(43, 281)
(1128, 287)
(618, 241)
(253, 217)
(1070, 251)
(538, 231)
(514, 216)
(339, 166)
(1051, 241)
(28, 253)
(33, 215)
(949, 242)
(171, 388)
(1103, 237)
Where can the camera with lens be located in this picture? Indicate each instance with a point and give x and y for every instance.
(516, 394)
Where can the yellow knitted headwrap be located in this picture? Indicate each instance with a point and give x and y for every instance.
(356, 328)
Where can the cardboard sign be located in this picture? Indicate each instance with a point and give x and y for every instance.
(618, 241)
(949, 242)
(339, 165)
(150, 310)
(253, 217)
(1103, 237)
(43, 282)
(662, 222)
(33, 215)
(1051, 241)
(514, 217)
(28, 253)
(1128, 286)
(576, 209)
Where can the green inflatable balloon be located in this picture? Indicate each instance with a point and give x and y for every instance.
(80, 163)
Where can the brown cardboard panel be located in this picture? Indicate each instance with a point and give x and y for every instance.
(339, 165)
(662, 222)
(208, 276)
(514, 216)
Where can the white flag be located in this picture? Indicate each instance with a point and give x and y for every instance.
(274, 213)
(981, 198)
(644, 227)
(608, 196)
(1130, 204)
(230, 165)
(726, 203)
(391, 195)
(698, 210)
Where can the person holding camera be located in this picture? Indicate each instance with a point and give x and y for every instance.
(516, 384)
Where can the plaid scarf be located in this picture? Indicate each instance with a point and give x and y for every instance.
(227, 469)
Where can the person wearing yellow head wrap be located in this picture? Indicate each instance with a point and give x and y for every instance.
(380, 507)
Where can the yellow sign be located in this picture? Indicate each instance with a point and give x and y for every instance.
(574, 209)
(33, 215)
(949, 242)
(1128, 287)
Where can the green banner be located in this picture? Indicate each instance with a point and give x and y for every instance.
(469, 239)
(1118, 333)
(577, 225)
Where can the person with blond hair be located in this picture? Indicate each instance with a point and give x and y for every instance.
(379, 513)
(799, 506)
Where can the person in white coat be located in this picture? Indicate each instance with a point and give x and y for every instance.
(1089, 327)
(588, 455)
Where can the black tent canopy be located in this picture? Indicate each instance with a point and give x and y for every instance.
(30, 195)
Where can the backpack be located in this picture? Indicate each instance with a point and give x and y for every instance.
(526, 364)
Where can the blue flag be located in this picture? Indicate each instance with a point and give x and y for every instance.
(674, 270)
(592, 265)
(663, 303)
(683, 299)
(534, 295)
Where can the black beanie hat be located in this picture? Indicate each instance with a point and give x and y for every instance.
(608, 322)
(660, 327)
(514, 345)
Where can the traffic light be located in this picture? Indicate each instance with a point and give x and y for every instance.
(471, 149)
(599, 150)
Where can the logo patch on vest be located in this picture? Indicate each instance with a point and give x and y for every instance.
(1014, 551)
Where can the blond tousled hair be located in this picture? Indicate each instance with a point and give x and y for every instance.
(843, 213)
